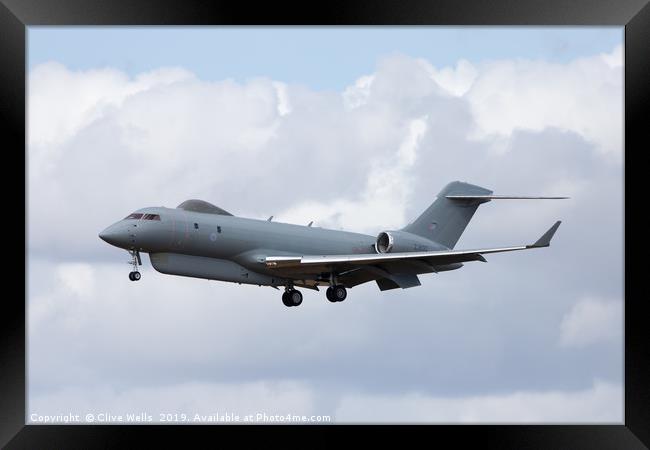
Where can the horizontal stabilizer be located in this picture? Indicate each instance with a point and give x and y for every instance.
(499, 197)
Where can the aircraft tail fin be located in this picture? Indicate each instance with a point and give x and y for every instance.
(447, 217)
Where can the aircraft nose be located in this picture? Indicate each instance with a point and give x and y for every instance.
(115, 236)
(109, 235)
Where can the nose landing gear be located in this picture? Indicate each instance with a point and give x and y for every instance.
(135, 262)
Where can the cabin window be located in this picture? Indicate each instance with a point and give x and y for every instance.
(151, 217)
(135, 216)
(196, 226)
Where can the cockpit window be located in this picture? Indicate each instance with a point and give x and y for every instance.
(136, 216)
(151, 217)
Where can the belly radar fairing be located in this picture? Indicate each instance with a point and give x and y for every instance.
(200, 240)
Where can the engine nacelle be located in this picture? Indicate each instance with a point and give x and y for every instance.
(401, 241)
(385, 242)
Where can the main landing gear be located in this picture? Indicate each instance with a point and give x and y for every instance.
(291, 297)
(336, 293)
(135, 262)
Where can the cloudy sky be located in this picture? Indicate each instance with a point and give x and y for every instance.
(356, 129)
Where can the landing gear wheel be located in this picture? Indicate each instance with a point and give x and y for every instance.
(292, 298)
(339, 293)
(134, 276)
(329, 293)
(295, 297)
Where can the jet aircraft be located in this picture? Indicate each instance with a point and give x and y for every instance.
(200, 240)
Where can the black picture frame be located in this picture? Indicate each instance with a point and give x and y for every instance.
(634, 15)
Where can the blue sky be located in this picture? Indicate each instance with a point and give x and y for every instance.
(322, 58)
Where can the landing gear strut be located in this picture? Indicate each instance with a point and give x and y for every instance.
(135, 262)
(291, 297)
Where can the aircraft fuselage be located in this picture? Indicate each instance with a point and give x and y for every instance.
(227, 248)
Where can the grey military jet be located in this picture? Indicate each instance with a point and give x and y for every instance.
(200, 240)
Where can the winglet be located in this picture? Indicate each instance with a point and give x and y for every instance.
(545, 240)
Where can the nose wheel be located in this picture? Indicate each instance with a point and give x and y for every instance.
(135, 262)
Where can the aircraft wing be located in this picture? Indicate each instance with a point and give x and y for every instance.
(433, 258)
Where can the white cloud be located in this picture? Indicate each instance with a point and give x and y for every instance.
(71, 292)
(77, 278)
(388, 186)
(62, 102)
(583, 96)
(602, 403)
(357, 94)
(592, 321)
(615, 57)
(99, 129)
(284, 105)
(455, 80)
(213, 402)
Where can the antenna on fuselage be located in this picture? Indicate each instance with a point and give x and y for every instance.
(310, 223)
(269, 219)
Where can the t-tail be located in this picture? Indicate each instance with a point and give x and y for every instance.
(447, 217)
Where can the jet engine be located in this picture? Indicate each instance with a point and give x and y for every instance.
(402, 241)
(385, 242)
